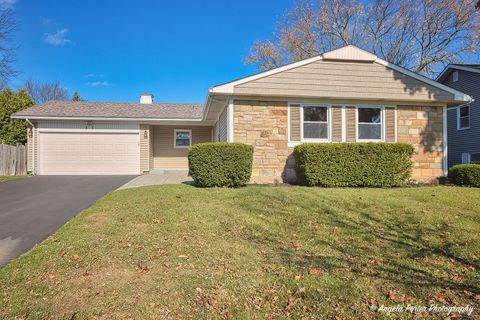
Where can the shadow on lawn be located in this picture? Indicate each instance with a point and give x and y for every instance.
(397, 235)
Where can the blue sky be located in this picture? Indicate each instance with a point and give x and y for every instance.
(114, 50)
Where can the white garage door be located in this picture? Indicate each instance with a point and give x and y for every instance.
(69, 153)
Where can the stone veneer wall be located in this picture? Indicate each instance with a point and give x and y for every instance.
(423, 128)
(263, 125)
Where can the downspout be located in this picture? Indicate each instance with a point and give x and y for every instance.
(33, 144)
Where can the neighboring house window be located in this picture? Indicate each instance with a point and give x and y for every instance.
(475, 158)
(455, 76)
(183, 138)
(315, 123)
(369, 124)
(463, 117)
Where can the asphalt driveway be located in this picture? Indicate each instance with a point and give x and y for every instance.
(32, 209)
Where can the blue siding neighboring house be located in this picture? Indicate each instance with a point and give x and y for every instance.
(463, 121)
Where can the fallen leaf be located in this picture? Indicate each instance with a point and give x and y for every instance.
(392, 295)
(298, 277)
(314, 271)
(441, 298)
(76, 257)
(363, 245)
(142, 266)
(167, 264)
(61, 253)
(183, 256)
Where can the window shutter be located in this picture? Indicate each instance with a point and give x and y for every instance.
(295, 122)
(336, 123)
(465, 158)
(351, 119)
(390, 124)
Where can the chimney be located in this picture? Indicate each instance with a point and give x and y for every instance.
(146, 98)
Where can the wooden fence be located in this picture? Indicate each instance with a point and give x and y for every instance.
(13, 160)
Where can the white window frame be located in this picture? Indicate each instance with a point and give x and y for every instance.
(455, 76)
(458, 117)
(382, 123)
(329, 123)
(175, 138)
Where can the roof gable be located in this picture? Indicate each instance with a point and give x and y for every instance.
(354, 56)
(474, 68)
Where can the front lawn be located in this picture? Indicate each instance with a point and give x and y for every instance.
(176, 252)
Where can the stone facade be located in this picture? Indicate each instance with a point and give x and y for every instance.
(422, 127)
(263, 125)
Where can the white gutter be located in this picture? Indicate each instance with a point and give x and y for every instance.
(102, 119)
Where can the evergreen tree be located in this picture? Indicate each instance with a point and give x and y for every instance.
(13, 131)
(76, 96)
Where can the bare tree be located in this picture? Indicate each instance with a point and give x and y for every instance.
(8, 26)
(43, 92)
(421, 35)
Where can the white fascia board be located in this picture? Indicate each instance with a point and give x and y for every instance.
(459, 96)
(102, 119)
(227, 88)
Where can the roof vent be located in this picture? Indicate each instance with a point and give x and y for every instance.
(146, 98)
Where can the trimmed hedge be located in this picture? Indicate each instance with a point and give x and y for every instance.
(354, 164)
(465, 175)
(220, 164)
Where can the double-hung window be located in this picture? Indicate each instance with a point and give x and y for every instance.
(463, 117)
(315, 123)
(183, 138)
(369, 124)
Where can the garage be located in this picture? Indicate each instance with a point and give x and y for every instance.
(88, 152)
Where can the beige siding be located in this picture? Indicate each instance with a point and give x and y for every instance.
(30, 149)
(165, 156)
(35, 149)
(295, 122)
(336, 123)
(145, 148)
(344, 80)
(390, 124)
(351, 124)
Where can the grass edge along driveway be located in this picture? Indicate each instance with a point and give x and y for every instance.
(258, 252)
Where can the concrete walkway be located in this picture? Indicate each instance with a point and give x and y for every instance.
(180, 177)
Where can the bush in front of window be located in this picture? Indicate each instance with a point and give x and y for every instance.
(465, 175)
(220, 164)
(354, 164)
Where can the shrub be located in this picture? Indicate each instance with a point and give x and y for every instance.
(220, 164)
(465, 175)
(354, 164)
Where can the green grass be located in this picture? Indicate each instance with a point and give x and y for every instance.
(9, 178)
(177, 252)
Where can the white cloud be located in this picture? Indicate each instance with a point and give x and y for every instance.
(7, 4)
(99, 84)
(58, 38)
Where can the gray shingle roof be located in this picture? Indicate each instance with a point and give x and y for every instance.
(114, 110)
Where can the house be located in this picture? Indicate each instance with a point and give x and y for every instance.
(463, 120)
(346, 95)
